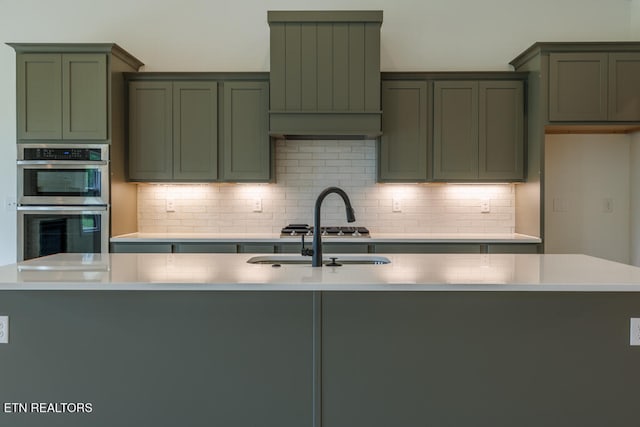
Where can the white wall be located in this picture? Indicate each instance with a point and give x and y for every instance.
(199, 35)
(582, 173)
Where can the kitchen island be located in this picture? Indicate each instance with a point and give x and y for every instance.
(208, 339)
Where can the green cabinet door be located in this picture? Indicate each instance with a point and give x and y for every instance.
(478, 130)
(39, 96)
(455, 137)
(246, 142)
(62, 96)
(578, 86)
(594, 86)
(206, 248)
(150, 131)
(514, 248)
(195, 131)
(624, 86)
(427, 248)
(141, 248)
(173, 130)
(404, 143)
(84, 96)
(501, 130)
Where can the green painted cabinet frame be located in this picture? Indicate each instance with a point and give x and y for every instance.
(594, 86)
(478, 131)
(578, 86)
(404, 147)
(62, 96)
(455, 130)
(195, 131)
(624, 86)
(150, 131)
(501, 131)
(173, 131)
(246, 145)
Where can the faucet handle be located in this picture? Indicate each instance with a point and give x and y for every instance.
(305, 251)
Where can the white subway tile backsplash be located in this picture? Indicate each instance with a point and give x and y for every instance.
(303, 170)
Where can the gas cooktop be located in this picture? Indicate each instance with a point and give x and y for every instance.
(329, 231)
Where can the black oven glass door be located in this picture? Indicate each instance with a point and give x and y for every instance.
(63, 185)
(47, 232)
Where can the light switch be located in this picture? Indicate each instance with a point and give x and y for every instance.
(560, 205)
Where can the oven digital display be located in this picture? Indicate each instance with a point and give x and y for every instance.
(75, 154)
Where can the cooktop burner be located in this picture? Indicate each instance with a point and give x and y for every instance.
(331, 231)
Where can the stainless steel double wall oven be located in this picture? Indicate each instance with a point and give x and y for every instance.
(63, 199)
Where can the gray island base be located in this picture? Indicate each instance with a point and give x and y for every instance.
(209, 340)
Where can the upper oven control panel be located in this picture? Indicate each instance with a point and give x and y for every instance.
(69, 152)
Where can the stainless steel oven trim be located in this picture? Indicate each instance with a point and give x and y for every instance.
(104, 150)
(103, 211)
(103, 199)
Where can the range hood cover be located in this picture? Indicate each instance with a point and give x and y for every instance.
(325, 74)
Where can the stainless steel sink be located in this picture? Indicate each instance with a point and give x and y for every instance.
(326, 260)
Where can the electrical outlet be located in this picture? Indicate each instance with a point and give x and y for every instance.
(4, 329)
(257, 204)
(634, 331)
(171, 205)
(485, 206)
(396, 205)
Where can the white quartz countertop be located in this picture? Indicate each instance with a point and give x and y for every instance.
(374, 238)
(406, 272)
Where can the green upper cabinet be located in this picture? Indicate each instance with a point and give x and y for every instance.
(455, 130)
(578, 86)
(173, 133)
(501, 131)
(199, 127)
(404, 144)
(62, 96)
(594, 86)
(150, 131)
(39, 96)
(624, 86)
(195, 131)
(478, 130)
(246, 147)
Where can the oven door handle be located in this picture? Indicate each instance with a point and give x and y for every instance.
(64, 209)
(52, 163)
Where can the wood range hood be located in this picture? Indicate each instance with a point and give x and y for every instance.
(325, 74)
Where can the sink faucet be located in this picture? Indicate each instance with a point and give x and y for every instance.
(316, 252)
